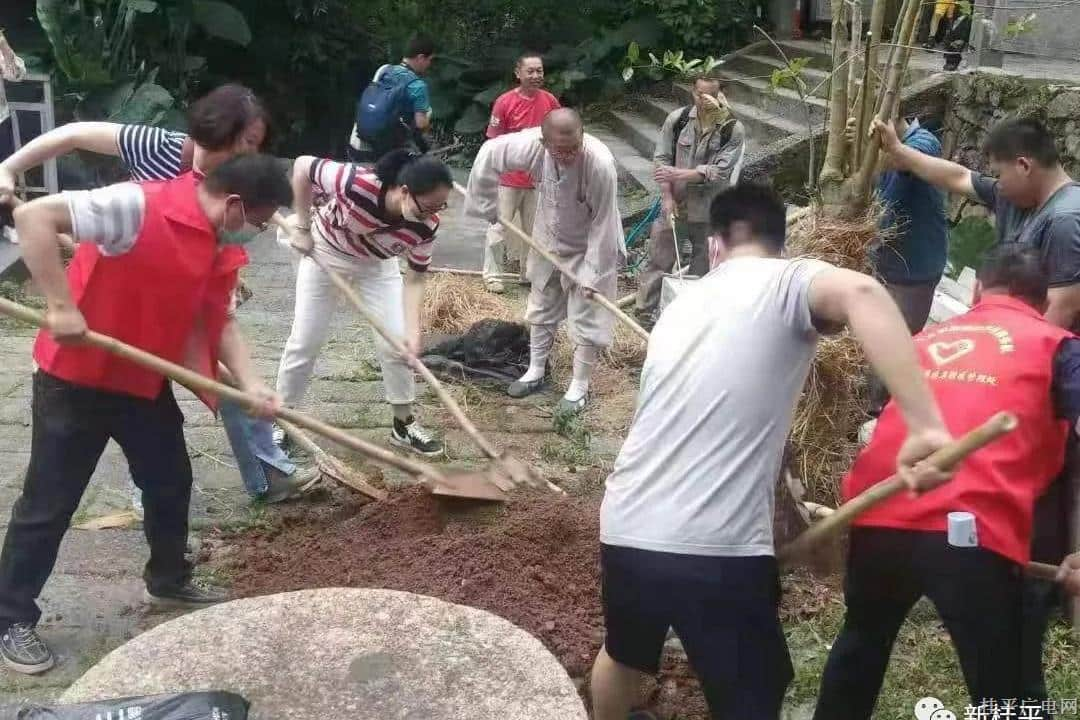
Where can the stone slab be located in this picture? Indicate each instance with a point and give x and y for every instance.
(336, 653)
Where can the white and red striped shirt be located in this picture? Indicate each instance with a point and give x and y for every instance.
(354, 221)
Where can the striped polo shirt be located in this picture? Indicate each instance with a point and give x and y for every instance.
(151, 153)
(354, 220)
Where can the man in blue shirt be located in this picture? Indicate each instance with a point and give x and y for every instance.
(415, 110)
(911, 261)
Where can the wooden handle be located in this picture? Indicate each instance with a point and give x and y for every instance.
(591, 294)
(399, 347)
(1042, 571)
(946, 459)
(195, 381)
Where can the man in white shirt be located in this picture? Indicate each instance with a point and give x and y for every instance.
(686, 522)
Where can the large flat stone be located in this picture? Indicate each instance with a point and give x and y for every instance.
(345, 653)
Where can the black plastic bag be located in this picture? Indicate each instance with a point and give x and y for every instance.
(214, 705)
(489, 350)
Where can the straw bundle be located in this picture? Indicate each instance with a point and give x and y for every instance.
(833, 405)
(452, 303)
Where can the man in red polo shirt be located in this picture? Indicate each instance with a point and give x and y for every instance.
(1002, 355)
(523, 107)
(155, 267)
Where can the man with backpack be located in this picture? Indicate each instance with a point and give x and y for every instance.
(394, 110)
(700, 153)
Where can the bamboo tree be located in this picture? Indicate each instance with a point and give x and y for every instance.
(889, 100)
(831, 179)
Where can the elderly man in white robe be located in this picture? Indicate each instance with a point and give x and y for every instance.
(577, 220)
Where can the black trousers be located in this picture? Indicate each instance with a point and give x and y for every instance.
(71, 426)
(976, 592)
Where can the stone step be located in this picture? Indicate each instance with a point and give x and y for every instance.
(779, 102)
(764, 128)
(631, 164)
(637, 130)
(820, 53)
(656, 109)
(762, 67)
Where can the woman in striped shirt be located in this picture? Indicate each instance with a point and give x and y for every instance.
(228, 121)
(364, 222)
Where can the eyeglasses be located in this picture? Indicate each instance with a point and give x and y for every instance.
(429, 210)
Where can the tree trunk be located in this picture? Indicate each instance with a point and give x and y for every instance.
(870, 88)
(889, 99)
(831, 178)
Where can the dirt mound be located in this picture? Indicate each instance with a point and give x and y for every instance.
(534, 562)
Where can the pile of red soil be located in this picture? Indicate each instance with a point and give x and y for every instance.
(534, 561)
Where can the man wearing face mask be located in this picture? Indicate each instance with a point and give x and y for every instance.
(700, 153)
(1037, 204)
(577, 219)
(155, 267)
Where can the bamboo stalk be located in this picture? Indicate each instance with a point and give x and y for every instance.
(590, 293)
(946, 458)
(864, 103)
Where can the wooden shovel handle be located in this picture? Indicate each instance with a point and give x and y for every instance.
(1042, 571)
(195, 381)
(946, 458)
(594, 296)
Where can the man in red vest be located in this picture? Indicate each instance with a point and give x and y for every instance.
(155, 267)
(963, 545)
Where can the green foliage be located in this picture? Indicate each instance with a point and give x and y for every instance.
(115, 57)
(672, 64)
(1018, 26)
(704, 27)
(790, 76)
(969, 240)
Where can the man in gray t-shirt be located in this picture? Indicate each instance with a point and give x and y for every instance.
(1034, 200)
(686, 522)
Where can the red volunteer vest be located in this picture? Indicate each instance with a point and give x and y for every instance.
(168, 295)
(999, 356)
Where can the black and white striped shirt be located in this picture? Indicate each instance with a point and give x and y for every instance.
(151, 153)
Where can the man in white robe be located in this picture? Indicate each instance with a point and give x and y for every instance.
(577, 220)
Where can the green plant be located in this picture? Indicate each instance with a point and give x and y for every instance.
(969, 239)
(790, 76)
(1018, 26)
(672, 64)
(115, 57)
(705, 27)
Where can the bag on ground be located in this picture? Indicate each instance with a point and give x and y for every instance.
(215, 705)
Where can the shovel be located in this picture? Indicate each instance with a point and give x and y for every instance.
(946, 458)
(596, 297)
(516, 471)
(485, 485)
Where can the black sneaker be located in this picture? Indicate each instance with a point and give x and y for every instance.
(410, 434)
(24, 651)
(192, 594)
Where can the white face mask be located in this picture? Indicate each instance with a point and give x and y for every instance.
(408, 209)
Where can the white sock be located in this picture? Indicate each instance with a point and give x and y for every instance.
(585, 357)
(541, 338)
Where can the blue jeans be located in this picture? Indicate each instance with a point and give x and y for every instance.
(253, 447)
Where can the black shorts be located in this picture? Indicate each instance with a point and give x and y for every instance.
(725, 612)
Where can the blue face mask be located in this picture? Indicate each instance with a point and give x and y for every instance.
(244, 235)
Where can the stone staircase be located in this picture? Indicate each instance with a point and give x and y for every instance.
(773, 118)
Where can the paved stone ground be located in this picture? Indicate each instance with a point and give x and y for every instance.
(92, 603)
